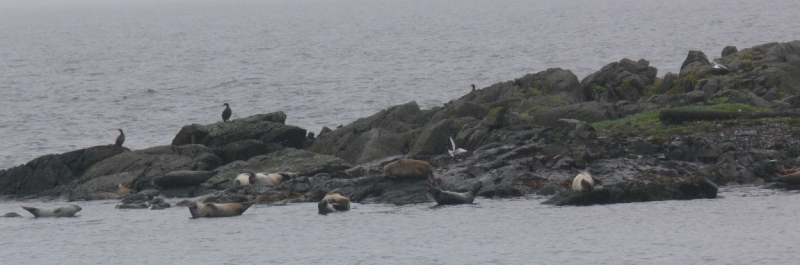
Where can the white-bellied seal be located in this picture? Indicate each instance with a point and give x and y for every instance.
(242, 180)
(450, 198)
(12, 214)
(409, 168)
(209, 209)
(583, 182)
(122, 190)
(272, 178)
(64, 211)
(333, 202)
(101, 196)
(226, 114)
(120, 138)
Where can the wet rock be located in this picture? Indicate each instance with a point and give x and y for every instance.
(623, 80)
(132, 206)
(12, 214)
(636, 191)
(589, 112)
(728, 50)
(267, 128)
(183, 179)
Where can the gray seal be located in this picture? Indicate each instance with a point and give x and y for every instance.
(451, 198)
(65, 211)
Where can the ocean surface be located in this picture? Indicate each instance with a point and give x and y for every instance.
(74, 71)
(748, 225)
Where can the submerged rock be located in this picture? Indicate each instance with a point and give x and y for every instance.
(637, 191)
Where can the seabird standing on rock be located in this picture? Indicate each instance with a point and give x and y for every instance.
(473, 87)
(455, 151)
(226, 114)
(120, 138)
(715, 65)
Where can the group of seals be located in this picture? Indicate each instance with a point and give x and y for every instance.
(451, 198)
(409, 168)
(247, 179)
(200, 210)
(65, 211)
(333, 202)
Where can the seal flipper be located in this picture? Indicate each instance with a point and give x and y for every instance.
(57, 210)
(477, 189)
(32, 210)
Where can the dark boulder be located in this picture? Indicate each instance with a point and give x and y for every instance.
(623, 80)
(183, 178)
(50, 171)
(267, 128)
(637, 191)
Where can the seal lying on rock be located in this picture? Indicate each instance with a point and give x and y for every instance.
(451, 198)
(242, 180)
(199, 210)
(272, 178)
(409, 168)
(132, 206)
(333, 202)
(583, 182)
(65, 211)
(101, 196)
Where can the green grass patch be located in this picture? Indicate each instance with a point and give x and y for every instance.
(647, 124)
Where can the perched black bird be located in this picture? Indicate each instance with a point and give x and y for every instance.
(473, 87)
(226, 114)
(120, 138)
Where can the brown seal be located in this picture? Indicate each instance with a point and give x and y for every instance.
(409, 168)
(199, 210)
(333, 202)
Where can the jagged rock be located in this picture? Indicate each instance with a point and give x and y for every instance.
(243, 150)
(623, 80)
(434, 139)
(375, 189)
(267, 128)
(550, 88)
(577, 129)
(300, 162)
(138, 168)
(183, 178)
(728, 50)
(636, 191)
(49, 171)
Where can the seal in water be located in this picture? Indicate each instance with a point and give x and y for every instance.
(65, 211)
(226, 114)
(120, 138)
(199, 210)
(409, 168)
(12, 214)
(583, 182)
(450, 198)
(333, 202)
(272, 178)
(132, 206)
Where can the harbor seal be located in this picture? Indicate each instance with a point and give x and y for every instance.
(451, 198)
(272, 178)
(583, 182)
(120, 138)
(101, 196)
(242, 180)
(333, 202)
(139, 205)
(64, 211)
(12, 214)
(199, 210)
(409, 168)
(226, 114)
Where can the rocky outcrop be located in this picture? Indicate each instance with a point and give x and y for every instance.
(637, 191)
(138, 168)
(266, 128)
(50, 171)
(623, 80)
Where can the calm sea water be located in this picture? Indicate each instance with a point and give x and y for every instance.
(747, 226)
(72, 72)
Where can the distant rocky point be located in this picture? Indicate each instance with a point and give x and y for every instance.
(526, 136)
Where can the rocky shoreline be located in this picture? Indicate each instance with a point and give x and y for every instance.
(526, 136)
